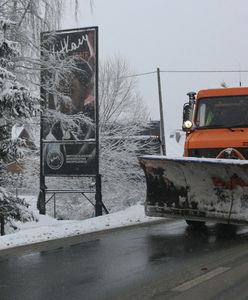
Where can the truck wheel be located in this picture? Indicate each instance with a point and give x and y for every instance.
(195, 223)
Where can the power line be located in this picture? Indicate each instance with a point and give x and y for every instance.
(140, 74)
(204, 71)
(186, 71)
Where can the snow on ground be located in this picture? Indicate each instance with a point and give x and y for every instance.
(48, 228)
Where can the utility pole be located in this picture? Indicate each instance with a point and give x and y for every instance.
(98, 195)
(162, 135)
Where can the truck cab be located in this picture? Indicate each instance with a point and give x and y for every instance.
(216, 121)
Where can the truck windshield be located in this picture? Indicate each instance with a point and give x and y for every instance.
(228, 111)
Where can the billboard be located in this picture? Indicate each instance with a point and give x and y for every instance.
(69, 92)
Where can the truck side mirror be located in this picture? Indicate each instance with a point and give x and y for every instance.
(186, 112)
(187, 124)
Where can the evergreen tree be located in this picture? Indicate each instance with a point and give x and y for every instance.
(16, 104)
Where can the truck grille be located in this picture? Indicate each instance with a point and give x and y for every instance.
(213, 152)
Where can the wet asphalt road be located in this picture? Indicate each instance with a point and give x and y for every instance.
(136, 263)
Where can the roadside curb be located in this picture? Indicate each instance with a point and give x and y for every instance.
(73, 240)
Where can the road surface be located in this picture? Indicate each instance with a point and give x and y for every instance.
(162, 261)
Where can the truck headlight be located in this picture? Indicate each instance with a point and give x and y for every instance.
(187, 124)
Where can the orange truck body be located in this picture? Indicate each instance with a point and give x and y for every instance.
(217, 138)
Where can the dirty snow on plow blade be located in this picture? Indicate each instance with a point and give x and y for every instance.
(200, 189)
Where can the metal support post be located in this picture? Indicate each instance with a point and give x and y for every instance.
(41, 202)
(162, 134)
(98, 197)
(2, 225)
(54, 207)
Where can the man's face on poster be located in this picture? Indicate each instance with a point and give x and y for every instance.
(76, 91)
(79, 93)
(71, 96)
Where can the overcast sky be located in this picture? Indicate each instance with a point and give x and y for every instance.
(172, 35)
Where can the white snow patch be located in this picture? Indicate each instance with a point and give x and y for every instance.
(47, 228)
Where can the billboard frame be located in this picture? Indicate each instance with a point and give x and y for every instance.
(41, 203)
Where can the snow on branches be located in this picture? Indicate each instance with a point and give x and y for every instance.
(12, 207)
(16, 103)
(123, 116)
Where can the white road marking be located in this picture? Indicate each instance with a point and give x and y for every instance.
(191, 283)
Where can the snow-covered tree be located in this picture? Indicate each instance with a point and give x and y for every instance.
(123, 117)
(16, 103)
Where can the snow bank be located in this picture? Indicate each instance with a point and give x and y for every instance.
(47, 228)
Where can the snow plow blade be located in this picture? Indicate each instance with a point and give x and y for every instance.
(197, 188)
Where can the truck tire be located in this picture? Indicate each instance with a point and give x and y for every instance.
(195, 223)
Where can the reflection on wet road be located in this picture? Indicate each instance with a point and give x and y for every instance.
(119, 265)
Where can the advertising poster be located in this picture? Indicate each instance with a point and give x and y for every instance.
(68, 89)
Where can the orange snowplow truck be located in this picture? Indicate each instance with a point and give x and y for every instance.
(210, 182)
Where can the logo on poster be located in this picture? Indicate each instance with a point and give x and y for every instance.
(54, 159)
